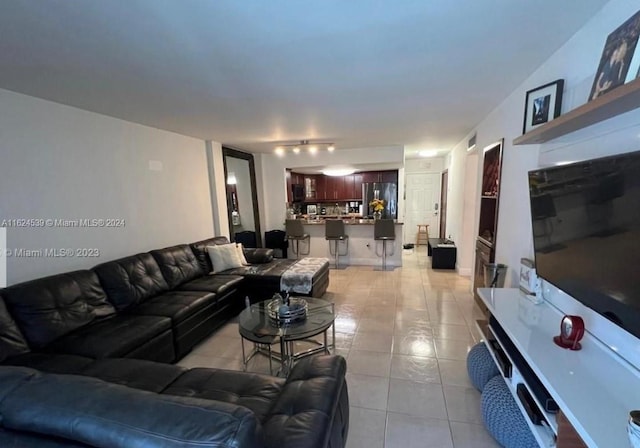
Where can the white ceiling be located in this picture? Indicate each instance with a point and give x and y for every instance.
(252, 73)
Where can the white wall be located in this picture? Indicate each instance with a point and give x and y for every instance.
(59, 162)
(428, 165)
(274, 188)
(576, 62)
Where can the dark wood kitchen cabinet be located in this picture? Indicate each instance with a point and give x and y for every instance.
(357, 186)
(321, 187)
(349, 187)
(288, 182)
(297, 179)
(310, 188)
(334, 188)
(370, 177)
(380, 176)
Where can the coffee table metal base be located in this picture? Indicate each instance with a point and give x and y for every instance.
(287, 355)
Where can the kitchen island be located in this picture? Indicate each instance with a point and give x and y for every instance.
(363, 249)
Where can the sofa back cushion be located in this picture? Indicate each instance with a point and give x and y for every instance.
(178, 264)
(50, 307)
(200, 251)
(131, 280)
(12, 341)
(98, 413)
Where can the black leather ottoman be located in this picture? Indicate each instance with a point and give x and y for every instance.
(443, 256)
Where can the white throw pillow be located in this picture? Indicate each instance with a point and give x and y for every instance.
(240, 250)
(224, 256)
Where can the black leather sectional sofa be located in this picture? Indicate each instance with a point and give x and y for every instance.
(79, 352)
(128, 403)
(153, 306)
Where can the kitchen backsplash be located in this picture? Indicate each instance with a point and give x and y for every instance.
(342, 208)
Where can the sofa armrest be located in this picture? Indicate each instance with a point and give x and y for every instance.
(313, 409)
(258, 256)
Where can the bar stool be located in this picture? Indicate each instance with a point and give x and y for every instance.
(384, 230)
(334, 232)
(423, 234)
(295, 233)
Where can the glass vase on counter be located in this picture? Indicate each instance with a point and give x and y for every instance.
(377, 215)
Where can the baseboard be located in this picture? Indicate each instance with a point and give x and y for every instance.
(371, 262)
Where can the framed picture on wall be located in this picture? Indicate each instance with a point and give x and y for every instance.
(542, 105)
(617, 56)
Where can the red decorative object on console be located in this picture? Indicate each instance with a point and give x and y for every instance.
(571, 331)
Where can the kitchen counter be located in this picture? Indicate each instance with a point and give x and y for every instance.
(363, 249)
(347, 221)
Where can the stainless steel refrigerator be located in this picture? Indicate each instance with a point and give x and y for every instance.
(387, 191)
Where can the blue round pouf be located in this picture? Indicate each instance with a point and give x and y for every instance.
(503, 418)
(480, 366)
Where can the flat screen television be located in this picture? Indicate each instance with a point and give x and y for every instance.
(586, 233)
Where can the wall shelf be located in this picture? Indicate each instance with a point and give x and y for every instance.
(618, 101)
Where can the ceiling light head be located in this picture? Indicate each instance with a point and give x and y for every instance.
(428, 153)
(231, 178)
(312, 147)
(338, 171)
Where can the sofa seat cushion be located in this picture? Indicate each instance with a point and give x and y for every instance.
(136, 373)
(98, 413)
(218, 283)
(176, 305)
(51, 362)
(50, 307)
(253, 391)
(111, 338)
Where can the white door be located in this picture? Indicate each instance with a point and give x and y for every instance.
(422, 192)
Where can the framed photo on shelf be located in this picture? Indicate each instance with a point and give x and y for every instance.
(634, 66)
(618, 55)
(542, 105)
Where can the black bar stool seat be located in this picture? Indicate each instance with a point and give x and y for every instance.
(295, 233)
(334, 232)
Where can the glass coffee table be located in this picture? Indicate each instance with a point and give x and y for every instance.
(257, 326)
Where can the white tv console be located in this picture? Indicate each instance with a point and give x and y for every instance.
(594, 388)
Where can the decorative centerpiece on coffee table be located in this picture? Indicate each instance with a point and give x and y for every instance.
(284, 309)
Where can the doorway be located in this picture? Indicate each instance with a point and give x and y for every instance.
(421, 204)
(242, 197)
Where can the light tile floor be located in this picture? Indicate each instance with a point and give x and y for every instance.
(405, 334)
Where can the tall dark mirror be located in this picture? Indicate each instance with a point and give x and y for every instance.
(242, 197)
